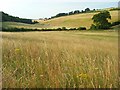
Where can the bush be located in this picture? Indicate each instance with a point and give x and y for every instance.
(82, 28)
(93, 27)
(72, 29)
(18, 29)
(115, 23)
(106, 26)
(64, 28)
(59, 29)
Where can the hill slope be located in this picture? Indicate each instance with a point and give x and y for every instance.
(76, 20)
(65, 21)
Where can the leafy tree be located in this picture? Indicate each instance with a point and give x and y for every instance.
(61, 14)
(76, 12)
(7, 17)
(73, 29)
(87, 10)
(82, 11)
(115, 23)
(64, 28)
(71, 13)
(82, 28)
(59, 29)
(101, 20)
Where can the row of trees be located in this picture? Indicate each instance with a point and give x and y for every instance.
(6, 17)
(64, 28)
(73, 12)
(44, 29)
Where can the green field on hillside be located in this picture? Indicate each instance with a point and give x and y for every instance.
(60, 59)
(72, 21)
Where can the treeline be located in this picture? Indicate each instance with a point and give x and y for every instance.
(7, 17)
(55, 29)
(115, 23)
(73, 12)
(87, 10)
(44, 29)
(112, 9)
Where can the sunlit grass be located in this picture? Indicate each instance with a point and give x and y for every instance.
(60, 59)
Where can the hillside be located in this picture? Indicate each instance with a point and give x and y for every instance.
(23, 25)
(65, 21)
(76, 20)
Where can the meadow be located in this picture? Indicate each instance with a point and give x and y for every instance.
(60, 59)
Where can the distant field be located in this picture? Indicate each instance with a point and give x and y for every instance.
(66, 21)
(77, 20)
(23, 25)
(84, 59)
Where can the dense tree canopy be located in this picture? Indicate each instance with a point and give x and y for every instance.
(87, 10)
(6, 17)
(61, 14)
(72, 13)
(101, 20)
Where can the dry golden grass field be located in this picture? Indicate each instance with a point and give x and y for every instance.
(76, 59)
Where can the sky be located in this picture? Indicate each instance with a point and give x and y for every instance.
(35, 9)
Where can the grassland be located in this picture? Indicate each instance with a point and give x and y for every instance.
(72, 21)
(78, 20)
(23, 25)
(84, 59)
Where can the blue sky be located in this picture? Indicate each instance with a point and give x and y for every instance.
(35, 9)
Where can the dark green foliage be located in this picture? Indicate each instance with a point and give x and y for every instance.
(82, 11)
(61, 14)
(101, 20)
(6, 17)
(87, 10)
(115, 23)
(64, 28)
(114, 9)
(72, 13)
(93, 9)
(93, 27)
(81, 28)
(59, 29)
(106, 26)
(18, 29)
(44, 29)
(76, 12)
(72, 29)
